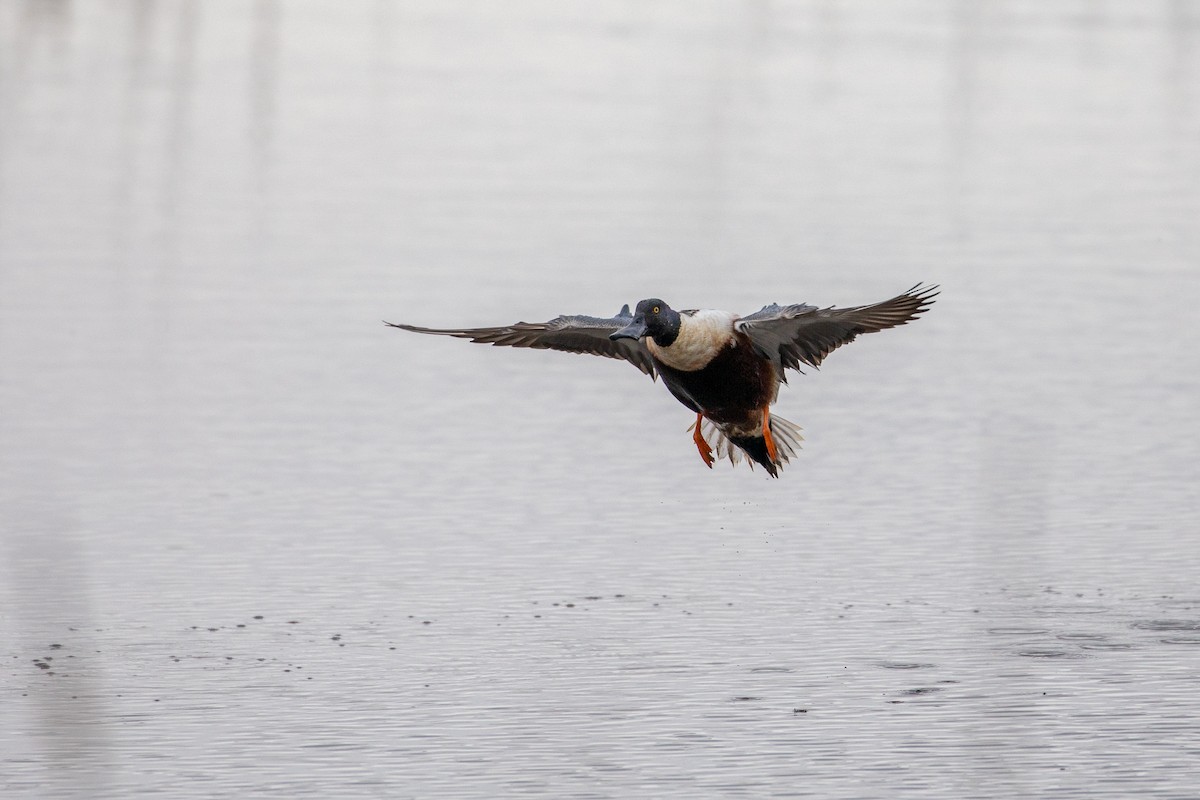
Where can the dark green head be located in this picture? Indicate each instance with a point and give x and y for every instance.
(652, 318)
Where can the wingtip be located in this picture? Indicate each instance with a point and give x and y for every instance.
(924, 294)
(405, 327)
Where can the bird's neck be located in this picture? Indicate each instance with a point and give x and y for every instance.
(700, 337)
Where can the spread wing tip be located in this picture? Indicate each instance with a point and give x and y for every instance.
(904, 307)
(924, 292)
(404, 327)
(914, 302)
(926, 295)
(459, 332)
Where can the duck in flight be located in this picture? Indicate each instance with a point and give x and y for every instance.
(726, 369)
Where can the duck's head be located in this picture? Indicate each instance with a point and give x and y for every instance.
(652, 318)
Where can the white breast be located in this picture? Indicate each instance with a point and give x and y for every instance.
(701, 336)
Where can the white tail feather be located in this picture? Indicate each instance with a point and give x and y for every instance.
(786, 434)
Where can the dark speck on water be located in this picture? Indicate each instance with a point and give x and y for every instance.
(1168, 625)
(904, 665)
(1048, 652)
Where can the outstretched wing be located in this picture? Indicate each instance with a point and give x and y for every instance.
(804, 334)
(571, 334)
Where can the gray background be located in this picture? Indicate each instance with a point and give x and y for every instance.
(253, 543)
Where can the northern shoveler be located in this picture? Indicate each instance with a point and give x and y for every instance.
(725, 368)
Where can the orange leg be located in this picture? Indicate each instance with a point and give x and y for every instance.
(768, 439)
(701, 444)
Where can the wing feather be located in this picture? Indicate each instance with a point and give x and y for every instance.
(803, 334)
(570, 334)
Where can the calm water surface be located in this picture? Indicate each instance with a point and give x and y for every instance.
(253, 543)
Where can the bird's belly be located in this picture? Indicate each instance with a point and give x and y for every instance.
(732, 388)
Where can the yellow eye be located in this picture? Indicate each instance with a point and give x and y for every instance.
(654, 310)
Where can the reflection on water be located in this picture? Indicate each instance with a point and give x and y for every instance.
(254, 543)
